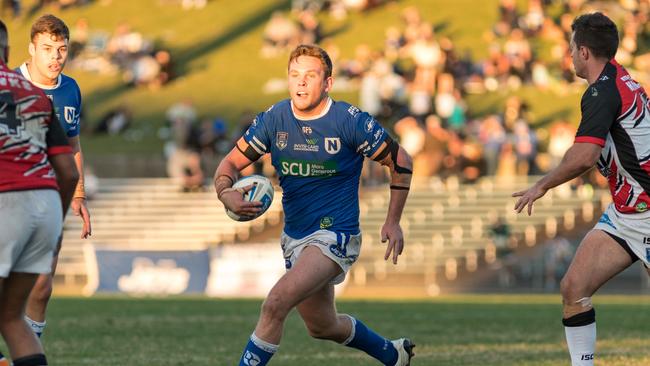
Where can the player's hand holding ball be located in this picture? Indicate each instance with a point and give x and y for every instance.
(248, 198)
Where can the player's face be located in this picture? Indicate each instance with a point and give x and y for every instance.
(49, 55)
(576, 57)
(308, 85)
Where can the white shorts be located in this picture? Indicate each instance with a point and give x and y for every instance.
(343, 249)
(631, 230)
(31, 224)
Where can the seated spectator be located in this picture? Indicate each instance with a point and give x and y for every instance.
(150, 71)
(411, 135)
(78, 38)
(310, 30)
(280, 33)
(114, 122)
(429, 161)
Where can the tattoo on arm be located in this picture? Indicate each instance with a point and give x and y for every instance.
(222, 182)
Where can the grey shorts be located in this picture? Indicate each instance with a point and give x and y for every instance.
(31, 224)
(341, 248)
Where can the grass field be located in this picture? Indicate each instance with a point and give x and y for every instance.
(455, 330)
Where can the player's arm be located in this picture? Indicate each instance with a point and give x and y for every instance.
(66, 177)
(392, 155)
(60, 157)
(227, 173)
(600, 105)
(78, 204)
(577, 160)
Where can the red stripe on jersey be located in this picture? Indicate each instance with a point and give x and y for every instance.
(591, 140)
(56, 150)
(23, 160)
(627, 96)
(621, 197)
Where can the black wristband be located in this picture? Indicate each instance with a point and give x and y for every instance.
(400, 188)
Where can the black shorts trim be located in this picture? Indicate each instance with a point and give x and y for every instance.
(624, 245)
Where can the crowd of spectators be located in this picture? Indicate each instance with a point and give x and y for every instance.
(16, 8)
(126, 51)
(417, 83)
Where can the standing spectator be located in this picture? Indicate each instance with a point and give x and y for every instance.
(525, 146)
(561, 138)
(492, 136)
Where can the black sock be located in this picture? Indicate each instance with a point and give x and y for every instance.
(31, 360)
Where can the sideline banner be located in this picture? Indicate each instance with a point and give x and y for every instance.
(229, 270)
(244, 270)
(146, 272)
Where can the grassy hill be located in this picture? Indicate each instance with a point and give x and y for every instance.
(216, 53)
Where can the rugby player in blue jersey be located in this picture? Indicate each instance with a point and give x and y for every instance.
(317, 147)
(49, 51)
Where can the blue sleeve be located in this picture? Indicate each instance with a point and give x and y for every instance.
(368, 134)
(258, 136)
(72, 116)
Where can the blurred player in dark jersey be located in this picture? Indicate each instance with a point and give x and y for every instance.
(614, 135)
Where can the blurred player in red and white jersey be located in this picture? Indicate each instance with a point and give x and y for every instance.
(614, 134)
(35, 161)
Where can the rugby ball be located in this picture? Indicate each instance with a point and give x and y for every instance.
(262, 191)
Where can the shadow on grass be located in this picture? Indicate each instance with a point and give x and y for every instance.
(187, 55)
(102, 95)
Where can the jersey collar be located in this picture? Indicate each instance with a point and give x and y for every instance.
(324, 112)
(25, 71)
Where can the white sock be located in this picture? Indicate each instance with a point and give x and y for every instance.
(264, 345)
(37, 327)
(582, 344)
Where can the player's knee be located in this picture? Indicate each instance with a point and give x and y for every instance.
(320, 331)
(41, 292)
(274, 307)
(570, 289)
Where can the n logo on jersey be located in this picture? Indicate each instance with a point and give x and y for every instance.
(69, 114)
(370, 124)
(332, 145)
(281, 139)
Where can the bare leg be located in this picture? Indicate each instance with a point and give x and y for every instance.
(318, 311)
(19, 338)
(598, 259)
(311, 272)
(42, 292)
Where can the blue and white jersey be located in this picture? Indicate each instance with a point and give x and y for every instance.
(66, 98)
(319, 162)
